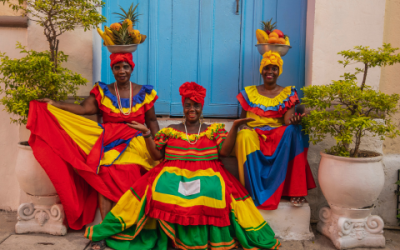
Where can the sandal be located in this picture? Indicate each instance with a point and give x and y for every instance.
(101, 244)
(297, 201)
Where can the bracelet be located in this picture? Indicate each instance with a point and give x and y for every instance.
(147, 134)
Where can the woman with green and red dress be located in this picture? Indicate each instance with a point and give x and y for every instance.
(189, 198)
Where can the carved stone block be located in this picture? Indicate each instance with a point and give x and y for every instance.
(43, 215)
(350, 228)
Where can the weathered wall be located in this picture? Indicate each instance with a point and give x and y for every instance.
(390, 75)
(9, 137)
(341, 25)
(6, 11)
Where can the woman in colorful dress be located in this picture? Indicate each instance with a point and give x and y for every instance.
(190, 198)
(93, 164)
(272, 150)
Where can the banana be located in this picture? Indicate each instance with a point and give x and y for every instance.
(262, 36)
(103, 35)
(287, 40)
(109, 33)
(108, 40)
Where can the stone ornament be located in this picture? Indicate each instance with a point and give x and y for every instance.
(351, 231)
(41, 218)
(44, 214)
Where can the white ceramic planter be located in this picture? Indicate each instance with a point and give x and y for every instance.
(44, 214)
(351, 186)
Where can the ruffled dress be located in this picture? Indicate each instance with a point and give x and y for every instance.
(82, 157)
(272, 157)
(189, 199)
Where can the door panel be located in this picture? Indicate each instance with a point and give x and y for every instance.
(207, 42)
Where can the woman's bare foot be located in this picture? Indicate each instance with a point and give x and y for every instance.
(98, 245)
(297, 201)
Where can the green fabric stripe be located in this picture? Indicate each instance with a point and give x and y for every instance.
(135, 194)
(123, 222)
(89, 228)
(162, 224)
(193, 156)
(242, 198)
(210, 186)
(197, 149)
(185, 159)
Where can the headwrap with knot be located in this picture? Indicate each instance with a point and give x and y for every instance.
(270, 57)
(193, 91)
(122, 57)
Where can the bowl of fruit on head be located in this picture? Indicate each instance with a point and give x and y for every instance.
(121, 37)
(269, 38)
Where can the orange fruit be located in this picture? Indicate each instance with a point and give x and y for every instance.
(273, 34)
(281, 41)
(273, 39)
(115, 26)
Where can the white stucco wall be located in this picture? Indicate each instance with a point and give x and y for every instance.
(9, 136)
(340, 25)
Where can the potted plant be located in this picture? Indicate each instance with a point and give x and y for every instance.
(39, 75)
(351, 179)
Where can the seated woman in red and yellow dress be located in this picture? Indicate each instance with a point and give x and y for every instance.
(272, 149)
(189, 198)
(85, 160)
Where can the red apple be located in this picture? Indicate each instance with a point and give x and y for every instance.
(280, 33)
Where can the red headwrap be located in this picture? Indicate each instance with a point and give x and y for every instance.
(193, 91)
(122, 57)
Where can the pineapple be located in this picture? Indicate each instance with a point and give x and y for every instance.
(131, 16)
(122, 36)
(268, 26)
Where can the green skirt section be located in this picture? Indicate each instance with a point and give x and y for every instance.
(127, 227)
(153, 234)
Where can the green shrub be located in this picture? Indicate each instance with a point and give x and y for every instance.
(347, 111)
(32, 77)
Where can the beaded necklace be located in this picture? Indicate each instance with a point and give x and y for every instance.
(119, 98)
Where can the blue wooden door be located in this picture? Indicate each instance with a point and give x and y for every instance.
(208, 42)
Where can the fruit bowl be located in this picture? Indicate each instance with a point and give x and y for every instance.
(122, 48)
(282, 49)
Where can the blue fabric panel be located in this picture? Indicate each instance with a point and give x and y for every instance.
(264, 174)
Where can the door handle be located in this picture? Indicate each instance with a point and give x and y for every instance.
(237, 7)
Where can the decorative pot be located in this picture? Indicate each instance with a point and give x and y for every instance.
(351, 186)
(351, 182)
(44, 214)
(30, 174)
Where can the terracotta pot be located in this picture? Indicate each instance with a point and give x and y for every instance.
(32, 178)
(350, 182)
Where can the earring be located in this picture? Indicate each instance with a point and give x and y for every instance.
(184, 120)
(201, 118)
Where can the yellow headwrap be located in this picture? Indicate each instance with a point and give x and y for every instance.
(270, 57)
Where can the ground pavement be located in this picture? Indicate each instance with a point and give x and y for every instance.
(74, 240)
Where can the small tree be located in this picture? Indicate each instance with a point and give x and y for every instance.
(347, 111)
(39, 74)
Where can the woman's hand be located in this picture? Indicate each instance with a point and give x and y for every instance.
(138, 126)
(47, 100)
(239, 122)
(296, 118)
